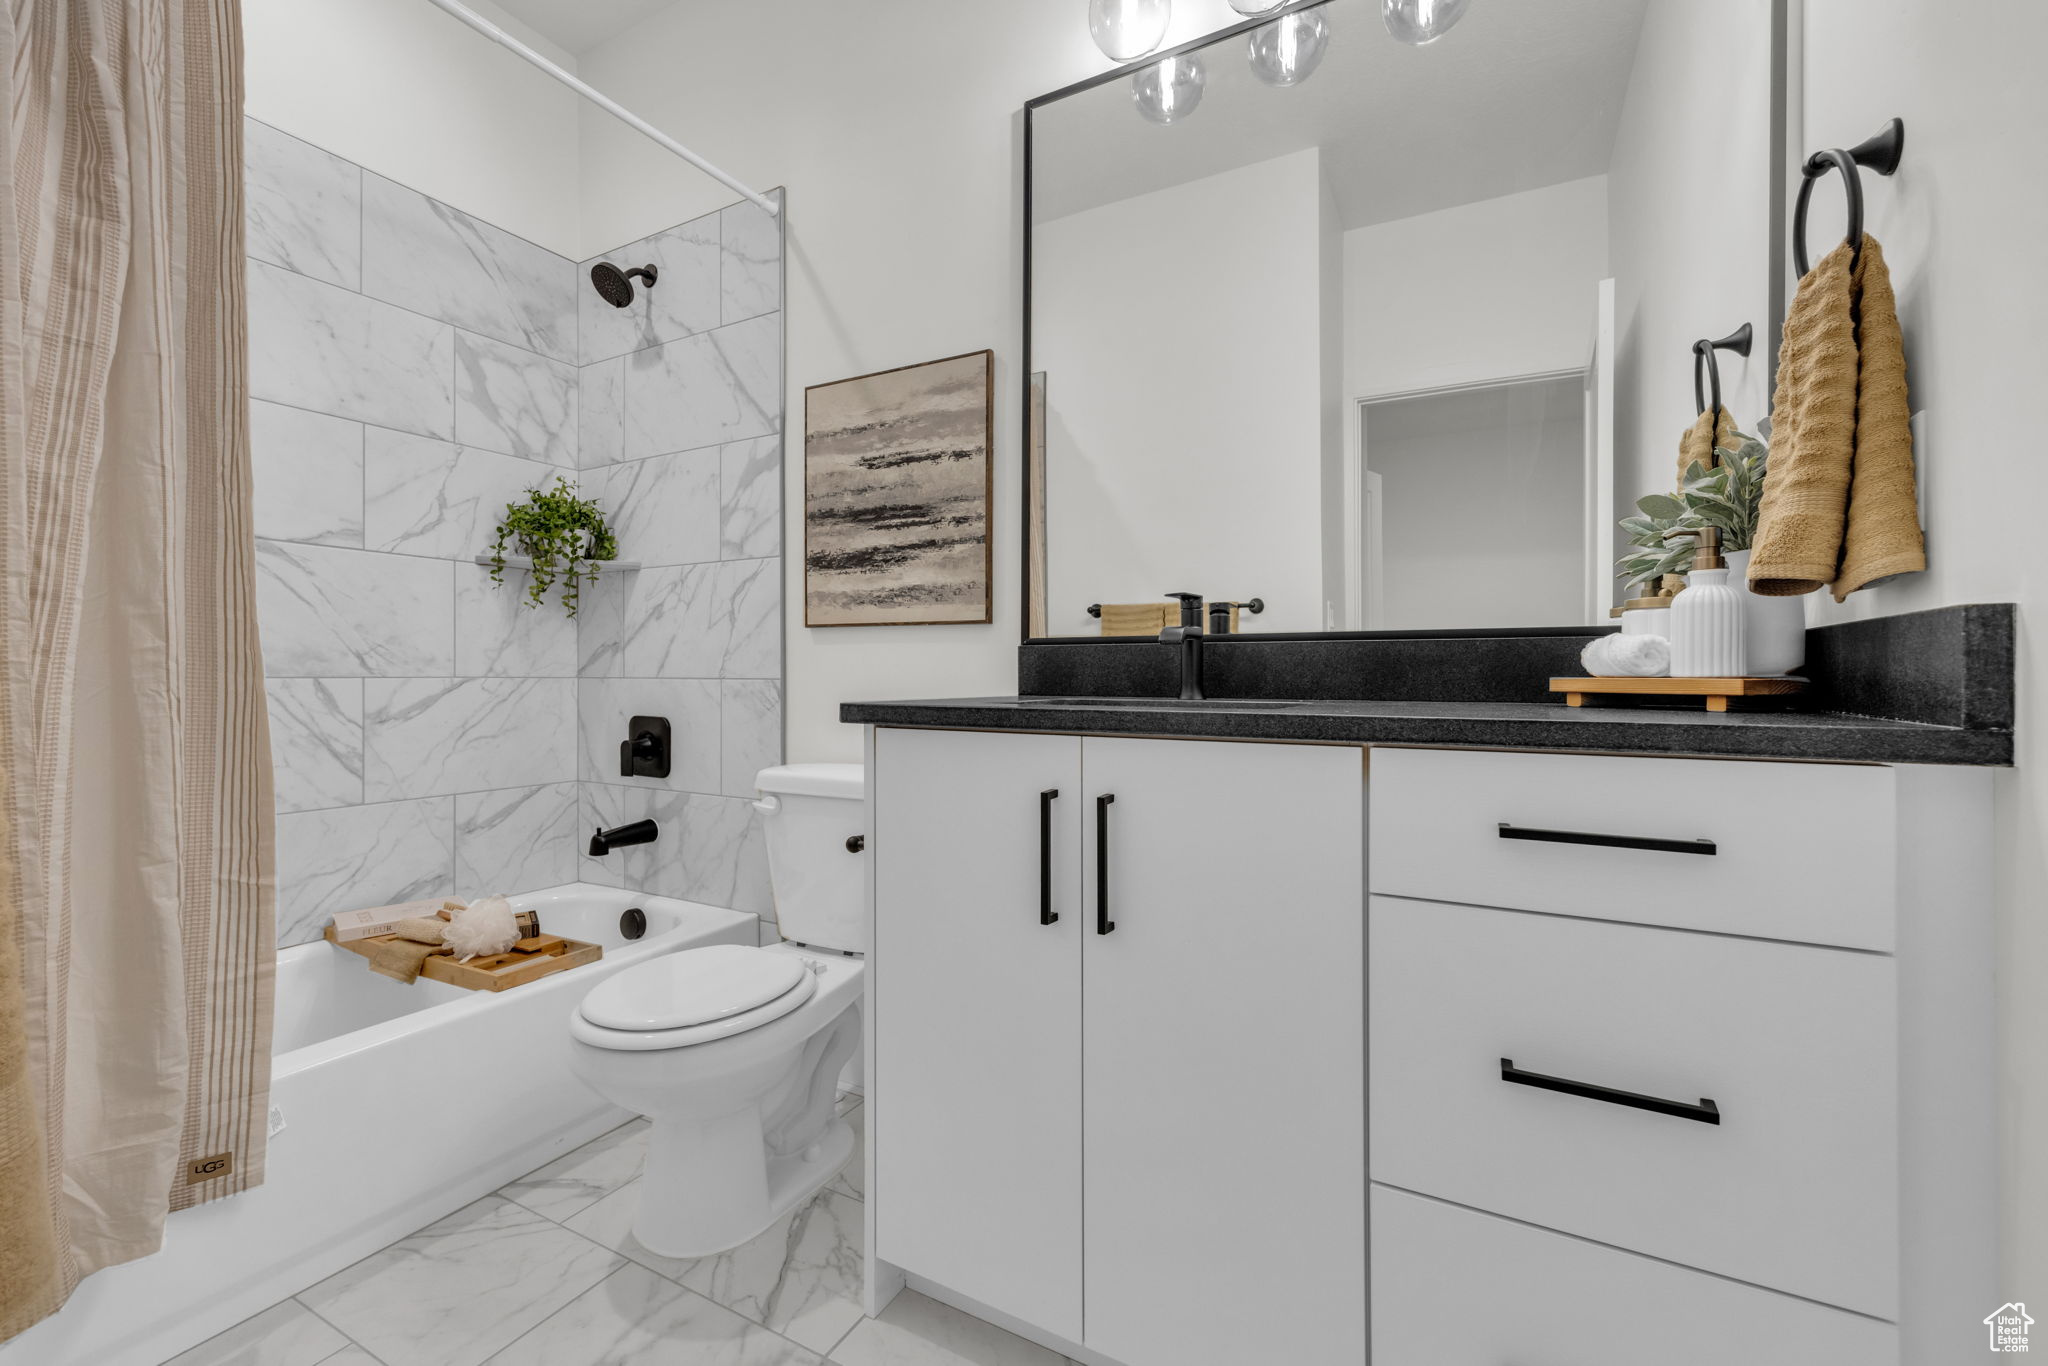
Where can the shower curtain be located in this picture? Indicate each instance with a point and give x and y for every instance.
(136, 930)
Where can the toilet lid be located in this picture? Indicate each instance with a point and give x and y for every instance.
(694, 987)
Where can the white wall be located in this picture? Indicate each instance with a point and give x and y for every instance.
(898, 132)
(1956, 223)
(1695, 133)
(1484, 291)
(400, 88)
(1180, 335)
(1482, 506)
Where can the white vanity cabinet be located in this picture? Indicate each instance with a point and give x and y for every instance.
(1118, 1039)
(1678, 1060)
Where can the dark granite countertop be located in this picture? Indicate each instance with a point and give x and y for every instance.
(1471, 725)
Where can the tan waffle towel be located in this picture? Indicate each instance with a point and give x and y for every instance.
(1701, 439)
(399, 959)
(1839, 504)
(1138, 618)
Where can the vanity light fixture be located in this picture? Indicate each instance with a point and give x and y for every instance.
(1126, 30)
(1422, 22)
(1169, 89)
(1254, 8)
(1288, 50)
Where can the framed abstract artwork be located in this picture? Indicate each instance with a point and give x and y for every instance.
(897, 485)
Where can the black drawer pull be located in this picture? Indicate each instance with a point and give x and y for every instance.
(1706, 1112)
(1046, 914)
(1525, 832)
(1103, 924)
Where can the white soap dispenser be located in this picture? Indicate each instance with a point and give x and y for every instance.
(1706, 618)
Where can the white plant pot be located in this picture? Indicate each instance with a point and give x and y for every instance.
(1773, 629)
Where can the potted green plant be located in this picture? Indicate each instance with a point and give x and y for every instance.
(1726, 497)
(566, 537)
(1653, 555)
(1729, 495)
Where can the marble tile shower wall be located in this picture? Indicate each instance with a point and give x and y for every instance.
(412, 370)
(681, 434)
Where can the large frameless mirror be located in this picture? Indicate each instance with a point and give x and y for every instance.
(1385, 336)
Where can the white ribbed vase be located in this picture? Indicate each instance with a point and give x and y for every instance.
(1706, 627)
(1773, 629)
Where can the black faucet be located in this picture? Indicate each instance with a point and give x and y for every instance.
(1188, 635)
(634, 832)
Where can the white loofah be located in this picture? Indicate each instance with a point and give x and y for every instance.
(485, 926)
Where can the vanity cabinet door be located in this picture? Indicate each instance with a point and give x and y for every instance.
(1224, 1053)
(977, 1126)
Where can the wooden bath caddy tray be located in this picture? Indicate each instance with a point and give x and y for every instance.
(1716, 691)
(528, 960)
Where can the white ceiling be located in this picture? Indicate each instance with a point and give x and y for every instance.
(1517, 97)
(579, 25)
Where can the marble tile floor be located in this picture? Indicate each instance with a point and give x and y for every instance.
(545, 1272)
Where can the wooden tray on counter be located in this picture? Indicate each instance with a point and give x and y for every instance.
(527, 961)
(1716, 691)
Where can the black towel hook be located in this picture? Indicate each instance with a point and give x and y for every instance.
(1737, 341)
(1879, 152)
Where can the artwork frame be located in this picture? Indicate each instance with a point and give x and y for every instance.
(899, 491)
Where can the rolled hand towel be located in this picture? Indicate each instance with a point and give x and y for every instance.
(421, 929)
(1639, 656)
(1594, 658)
(1838, 503)
(1626, 657)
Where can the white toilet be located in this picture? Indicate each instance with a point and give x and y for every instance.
(735, 1053)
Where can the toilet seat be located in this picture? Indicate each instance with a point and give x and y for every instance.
(692, 997)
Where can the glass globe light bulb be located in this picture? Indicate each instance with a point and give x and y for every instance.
(1254, 8)
(1169, 90)
(1288, 50)
(1422, 22)
(1126, 30)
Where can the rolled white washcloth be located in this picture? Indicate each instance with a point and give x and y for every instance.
(1616, 656)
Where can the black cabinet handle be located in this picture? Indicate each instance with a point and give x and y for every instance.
(1524, 832)
(1706, 1112)
(1046, 914)
(1103, 924)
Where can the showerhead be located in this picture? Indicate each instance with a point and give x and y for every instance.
(615, 286)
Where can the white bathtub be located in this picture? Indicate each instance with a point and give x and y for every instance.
(400, 1104)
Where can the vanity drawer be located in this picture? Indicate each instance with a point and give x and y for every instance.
(1453, 1287)
(1789, 1182)
(1782, 851)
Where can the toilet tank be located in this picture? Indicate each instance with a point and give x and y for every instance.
(810, 811)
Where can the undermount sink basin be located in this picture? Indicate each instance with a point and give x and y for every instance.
(1207, 703)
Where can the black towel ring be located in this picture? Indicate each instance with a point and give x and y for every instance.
(1880, 153)
(1737, 341)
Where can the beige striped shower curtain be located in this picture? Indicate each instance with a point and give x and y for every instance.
(136, 933)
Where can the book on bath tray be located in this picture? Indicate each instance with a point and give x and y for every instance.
(376, 920)
(380, 919)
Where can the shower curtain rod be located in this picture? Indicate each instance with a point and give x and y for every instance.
(602, 101)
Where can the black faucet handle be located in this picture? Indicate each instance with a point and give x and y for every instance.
(1190, 607)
